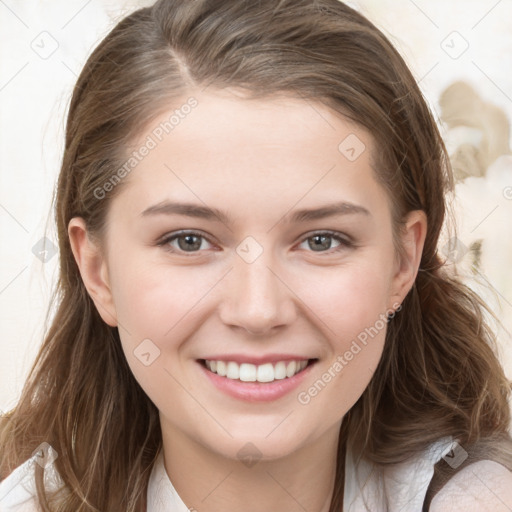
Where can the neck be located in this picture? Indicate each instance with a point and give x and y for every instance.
(208, 482)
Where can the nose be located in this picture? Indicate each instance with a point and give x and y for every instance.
(257, 299)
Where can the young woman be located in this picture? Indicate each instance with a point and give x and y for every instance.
(252, 313)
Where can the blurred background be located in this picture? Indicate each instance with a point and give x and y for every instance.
(459, 51)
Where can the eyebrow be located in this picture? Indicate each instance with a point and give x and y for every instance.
(208, 213)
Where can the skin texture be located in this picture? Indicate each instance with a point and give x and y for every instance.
(258, 161)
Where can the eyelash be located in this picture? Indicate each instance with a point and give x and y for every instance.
(345, 242)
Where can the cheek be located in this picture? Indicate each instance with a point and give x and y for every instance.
(351, 304)
(159, 309)
(348, 299)
(151, 300)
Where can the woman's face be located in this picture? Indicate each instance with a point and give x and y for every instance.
(252, 235)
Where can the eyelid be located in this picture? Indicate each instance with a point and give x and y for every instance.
(335, 234)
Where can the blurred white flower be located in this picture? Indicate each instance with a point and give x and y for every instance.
(483, 215)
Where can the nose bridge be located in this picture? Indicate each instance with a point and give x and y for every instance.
(256, 298)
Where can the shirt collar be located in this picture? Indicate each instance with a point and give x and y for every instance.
(162, 496)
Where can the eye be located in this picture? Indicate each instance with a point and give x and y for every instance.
(193, 242)
(322, 241)
(184, 241)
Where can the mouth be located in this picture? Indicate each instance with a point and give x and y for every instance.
(261, 373)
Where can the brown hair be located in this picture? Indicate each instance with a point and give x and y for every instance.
(438, 376)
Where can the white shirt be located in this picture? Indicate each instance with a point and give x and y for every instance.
(396, 488)
(399, 487)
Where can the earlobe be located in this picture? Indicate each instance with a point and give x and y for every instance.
(93, 269)
(413, 240)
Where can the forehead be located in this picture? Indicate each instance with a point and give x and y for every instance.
(229, 117)
(271, 150)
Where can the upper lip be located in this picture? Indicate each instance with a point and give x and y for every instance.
(256, 360)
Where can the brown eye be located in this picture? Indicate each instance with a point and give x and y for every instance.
(187, 242)
(322, 242)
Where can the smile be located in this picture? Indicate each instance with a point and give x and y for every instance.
(247, 372)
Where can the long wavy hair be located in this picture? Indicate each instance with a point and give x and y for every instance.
(439, 374)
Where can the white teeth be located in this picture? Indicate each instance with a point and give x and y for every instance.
(280, 370)
(290, 369)
(221, 368)
(265, 373)
(233, 371)
(247, 372)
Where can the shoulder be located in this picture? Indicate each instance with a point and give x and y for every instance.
(17, 491)
(484, 486)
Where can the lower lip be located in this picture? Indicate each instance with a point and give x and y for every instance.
(257, 391)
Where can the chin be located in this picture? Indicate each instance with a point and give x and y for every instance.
(262, 441)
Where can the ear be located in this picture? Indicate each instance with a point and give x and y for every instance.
(93, 269)
(413, 239)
